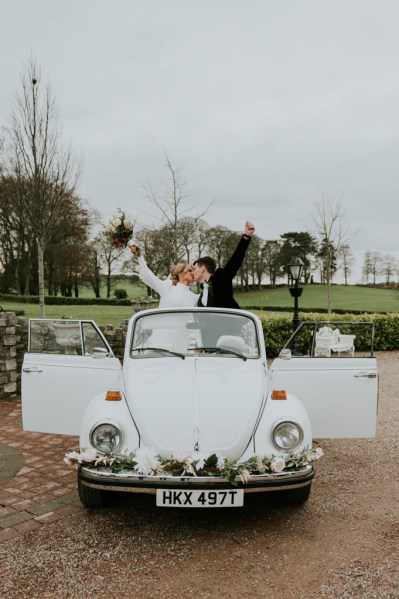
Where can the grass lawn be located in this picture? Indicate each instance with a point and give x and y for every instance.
(344, 297)
(132, 289)
(348, 297)
(100, 314)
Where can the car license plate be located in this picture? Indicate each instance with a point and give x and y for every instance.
(198, 498)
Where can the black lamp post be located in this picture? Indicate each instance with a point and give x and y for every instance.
(295, 265)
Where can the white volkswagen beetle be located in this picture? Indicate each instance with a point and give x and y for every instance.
(194, 415)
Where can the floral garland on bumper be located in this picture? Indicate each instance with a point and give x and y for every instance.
(147, 462)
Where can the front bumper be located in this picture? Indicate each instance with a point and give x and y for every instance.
(129, 482)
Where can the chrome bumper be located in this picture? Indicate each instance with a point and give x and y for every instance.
(128, 482)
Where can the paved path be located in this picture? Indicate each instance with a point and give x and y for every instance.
(36, 487)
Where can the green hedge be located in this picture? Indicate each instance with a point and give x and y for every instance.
(277, 329)
(55, 300)
(305, 310)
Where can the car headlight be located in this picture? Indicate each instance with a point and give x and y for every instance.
(106, 437)
(287, 435)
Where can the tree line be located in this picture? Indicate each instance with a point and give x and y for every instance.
(377, 265)
(74, 256)
(51, 240)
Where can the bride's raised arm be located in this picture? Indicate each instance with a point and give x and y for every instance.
(147, 276)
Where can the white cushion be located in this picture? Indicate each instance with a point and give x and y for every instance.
(232, 343)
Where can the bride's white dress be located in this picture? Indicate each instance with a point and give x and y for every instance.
(171, 296)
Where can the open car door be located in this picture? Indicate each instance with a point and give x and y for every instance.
(330, 367)
(67, 364)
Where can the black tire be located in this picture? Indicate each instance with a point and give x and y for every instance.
(300, 495)
(92, 498)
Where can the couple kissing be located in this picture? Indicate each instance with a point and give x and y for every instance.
(216, 282)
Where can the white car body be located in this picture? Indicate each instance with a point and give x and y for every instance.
(192, 400)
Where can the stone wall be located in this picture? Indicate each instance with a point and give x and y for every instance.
(116, 338)
(14, 344)
(21, 343)
(8, 354)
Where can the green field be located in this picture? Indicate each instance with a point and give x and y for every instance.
(133, 290)
(344, 297)
(313, 297)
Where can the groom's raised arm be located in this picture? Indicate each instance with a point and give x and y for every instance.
(236, 260)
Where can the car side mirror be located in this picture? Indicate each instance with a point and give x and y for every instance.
(99, 352)
(285, 354)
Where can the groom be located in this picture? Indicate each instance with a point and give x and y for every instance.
(218, 282)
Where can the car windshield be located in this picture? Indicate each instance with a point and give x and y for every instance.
(187, 333)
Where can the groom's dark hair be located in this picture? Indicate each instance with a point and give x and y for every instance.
(208, 262)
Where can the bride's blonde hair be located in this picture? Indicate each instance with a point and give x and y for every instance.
(177, 270)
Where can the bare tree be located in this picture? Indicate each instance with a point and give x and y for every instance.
(389, 266)
(171, 200)
(45, 170)
(346, 259)
(92, 270)
(272, 251)
(328, 220)
(254, 262)
(367, 266)
(108, 254)
(327, 261)
(375, 265)
(11, 248)
(192, 235)
(220, 243)
(66, 255)
(201, 238)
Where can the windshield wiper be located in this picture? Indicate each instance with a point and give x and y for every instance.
(160, 349)
(222, 350)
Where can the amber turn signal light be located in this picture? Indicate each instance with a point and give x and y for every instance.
(113, 396)
(279, 394)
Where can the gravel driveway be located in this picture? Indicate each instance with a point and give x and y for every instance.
(342, 543)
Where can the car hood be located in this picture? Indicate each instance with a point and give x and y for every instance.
(210, 404)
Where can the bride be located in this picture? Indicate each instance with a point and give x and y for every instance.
(175, 291)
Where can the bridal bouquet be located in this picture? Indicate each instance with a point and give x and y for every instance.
(120, 230)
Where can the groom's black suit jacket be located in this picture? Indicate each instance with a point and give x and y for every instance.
(220, 294)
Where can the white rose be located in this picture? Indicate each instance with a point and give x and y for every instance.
(199, 459)
(146, 460)
(89, 455)
(221, 462)
(277, 464)
(72, 457)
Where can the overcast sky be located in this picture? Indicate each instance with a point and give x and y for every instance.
(266, 104)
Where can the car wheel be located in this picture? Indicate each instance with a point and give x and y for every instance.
(300, 495)
(92, 498)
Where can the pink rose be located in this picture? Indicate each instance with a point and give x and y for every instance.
(180, 456)
(277, 464)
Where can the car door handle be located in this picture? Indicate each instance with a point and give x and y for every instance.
(31, 369)
(368, 375)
